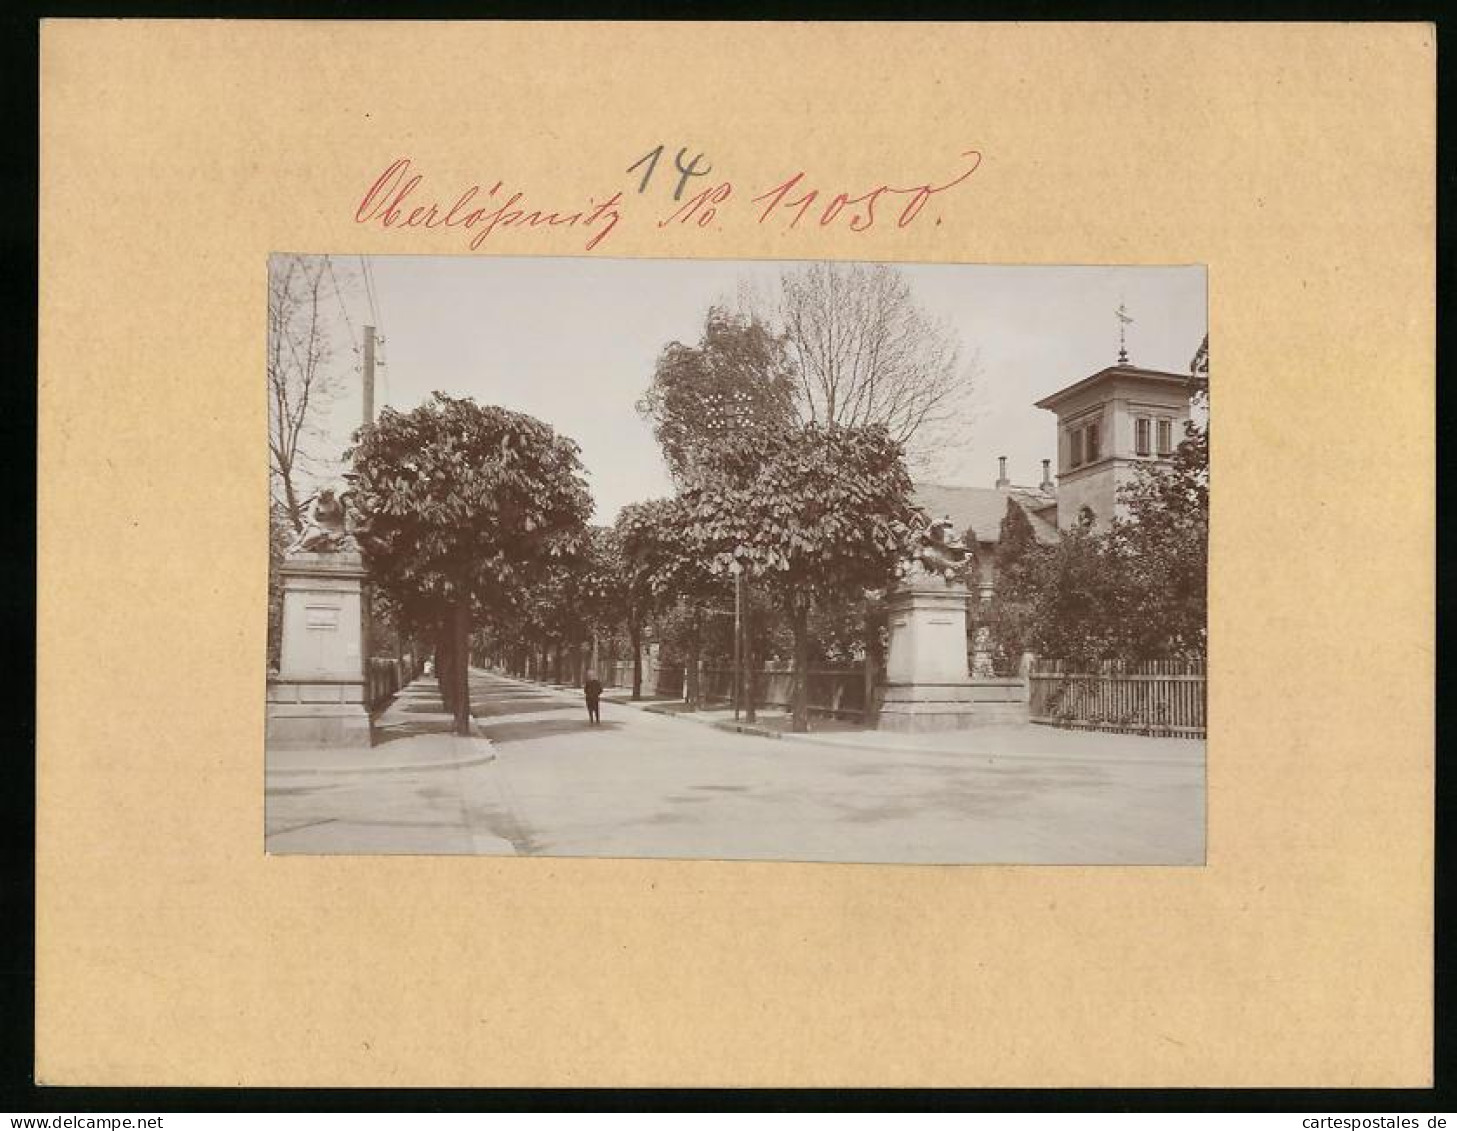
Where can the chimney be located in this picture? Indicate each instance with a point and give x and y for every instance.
(1002, 480)
(1047, 484)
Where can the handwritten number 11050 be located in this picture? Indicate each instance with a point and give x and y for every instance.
(650, 159)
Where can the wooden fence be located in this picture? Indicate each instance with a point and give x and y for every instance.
(836, 692)
(657, 679)
(383, 677)
(1155, 697)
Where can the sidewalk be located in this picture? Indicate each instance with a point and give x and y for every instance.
(412, 732)
(991, 740)
(417, 789)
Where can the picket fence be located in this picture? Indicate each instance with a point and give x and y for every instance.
(1154, 697)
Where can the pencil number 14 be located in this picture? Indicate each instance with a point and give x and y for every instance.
(685, 171)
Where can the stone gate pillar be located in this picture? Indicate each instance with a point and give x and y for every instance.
(927, 683)
(318, 696)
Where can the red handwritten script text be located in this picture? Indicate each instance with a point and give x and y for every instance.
(794, 198)
(391, 203)
(397, 200)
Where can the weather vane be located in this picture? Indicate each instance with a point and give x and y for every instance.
(1123, 323)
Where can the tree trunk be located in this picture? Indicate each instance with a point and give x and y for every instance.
(872, 668)
(799, 720)
(291, 503)
(444, 662)
(462, 664)
(634, 631)
(695, 645)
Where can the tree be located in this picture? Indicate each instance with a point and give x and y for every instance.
(1163, 545)
(814, 512)
(664, 564)
(864, 353)
(1079, 595)
(737, 377)
(301, 380)
(1010, 613)
(459, 501)
(280, 534)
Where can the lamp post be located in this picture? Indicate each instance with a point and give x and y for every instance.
(738, 641)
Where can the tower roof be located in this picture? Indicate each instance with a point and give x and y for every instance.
(1115, 373)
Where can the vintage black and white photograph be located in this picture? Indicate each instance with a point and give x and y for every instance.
(737, 560)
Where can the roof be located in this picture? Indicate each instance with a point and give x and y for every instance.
(982, 509)
(1114, 371)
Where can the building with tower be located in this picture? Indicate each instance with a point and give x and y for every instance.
(1108, 425)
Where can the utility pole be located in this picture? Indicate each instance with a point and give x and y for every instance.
(368, 376)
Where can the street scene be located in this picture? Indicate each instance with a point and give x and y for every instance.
(689, 559)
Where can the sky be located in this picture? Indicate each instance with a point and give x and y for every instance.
(573, 341)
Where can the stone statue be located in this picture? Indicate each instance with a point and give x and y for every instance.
(326, 529)
(935, 548)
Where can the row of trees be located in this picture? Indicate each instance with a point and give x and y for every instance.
(786, 440)
(784, 429)
(784, 433)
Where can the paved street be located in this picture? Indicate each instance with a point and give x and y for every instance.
(540, 781)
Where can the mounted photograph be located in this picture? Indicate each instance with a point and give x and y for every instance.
(817, 561)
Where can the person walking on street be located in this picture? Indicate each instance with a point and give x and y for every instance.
(593, 690)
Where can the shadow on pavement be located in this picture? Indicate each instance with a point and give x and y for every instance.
(382, 733)
(502, 733)
(483, 707)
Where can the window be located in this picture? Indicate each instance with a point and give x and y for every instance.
(1166, 437)
(1093, 447)
(1075, 447)
(1141, 440)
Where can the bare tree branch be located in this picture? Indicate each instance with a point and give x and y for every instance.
(301, 382)
(865, 353)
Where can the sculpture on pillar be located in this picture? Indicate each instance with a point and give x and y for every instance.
(318, 696)
(936, 548)
(327, 529)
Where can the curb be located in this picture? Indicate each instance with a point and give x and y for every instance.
(689, 716)
(406, 768)
(813, 739)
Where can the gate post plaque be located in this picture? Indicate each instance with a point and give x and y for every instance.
(927, 683)
(318, 696)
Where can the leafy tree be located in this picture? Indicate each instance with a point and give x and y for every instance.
(1136, 592)
(676, 573)
(736, 378)
(812, 513)
(461, 501)
(1010, 613)
(662, 565)
(1079, 595)
(1163, 545)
